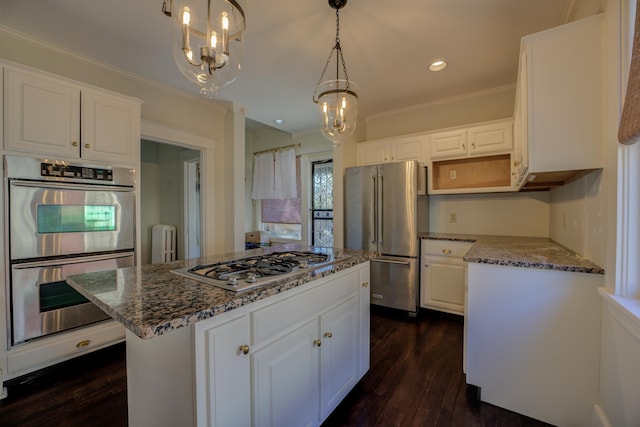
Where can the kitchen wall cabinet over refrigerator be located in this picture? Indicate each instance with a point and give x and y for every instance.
(393, 150)
(49, 115)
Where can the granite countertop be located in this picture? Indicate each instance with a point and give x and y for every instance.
(527, 252)
(151, 301)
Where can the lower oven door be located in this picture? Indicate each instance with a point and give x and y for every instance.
(42, 301)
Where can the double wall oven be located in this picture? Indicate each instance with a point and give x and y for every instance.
(62, 219)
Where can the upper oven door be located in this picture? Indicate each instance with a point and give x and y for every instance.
(51, 219)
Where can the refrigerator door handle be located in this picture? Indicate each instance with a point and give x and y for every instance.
(388, 261)
(373, 229)
(381, 211)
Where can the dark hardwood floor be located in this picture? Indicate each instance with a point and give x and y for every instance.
(415, 379)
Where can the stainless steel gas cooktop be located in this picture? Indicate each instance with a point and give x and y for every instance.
(247, 273)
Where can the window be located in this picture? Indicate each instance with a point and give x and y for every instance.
(322, 203)
(282, 218)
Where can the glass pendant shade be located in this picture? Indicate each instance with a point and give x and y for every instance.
(338, 109)
(208, 41)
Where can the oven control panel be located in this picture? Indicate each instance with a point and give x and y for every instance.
(69, 171)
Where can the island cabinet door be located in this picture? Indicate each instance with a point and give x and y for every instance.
(286, 380)
(223, 380)
(339, 354)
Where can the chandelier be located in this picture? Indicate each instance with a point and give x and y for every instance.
(337, 99)
(208, 40)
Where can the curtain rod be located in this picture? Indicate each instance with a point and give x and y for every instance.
(277, 149)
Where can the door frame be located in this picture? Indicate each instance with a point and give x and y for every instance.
(164, 134)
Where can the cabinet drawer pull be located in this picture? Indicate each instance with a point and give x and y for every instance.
(317, 343)
(244, 349)
(365, 285)
(83, 343)
(446, 251)
(328, 334)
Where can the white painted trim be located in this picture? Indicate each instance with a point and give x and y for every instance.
(625, 310)
(159, 132)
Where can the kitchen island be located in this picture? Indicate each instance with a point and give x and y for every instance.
(283, 353)
(532, 326)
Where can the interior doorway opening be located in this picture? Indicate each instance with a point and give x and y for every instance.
(170, 195)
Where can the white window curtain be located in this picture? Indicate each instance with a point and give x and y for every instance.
(263, 176)
(274, 177)
(285, 175)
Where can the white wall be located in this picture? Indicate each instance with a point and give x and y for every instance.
(578, 217)
(475, 107)
(519, 214)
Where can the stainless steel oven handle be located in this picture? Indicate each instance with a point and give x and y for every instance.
(74, 260)
(67, 186)
(388, 261)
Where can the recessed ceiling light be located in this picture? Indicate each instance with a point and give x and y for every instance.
(438, 65)
(278, 121)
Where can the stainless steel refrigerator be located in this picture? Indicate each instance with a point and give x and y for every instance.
(385, 208)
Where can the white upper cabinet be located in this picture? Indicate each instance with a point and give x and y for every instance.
(393, 150)
(42, 114)
(559, 102)
(477, 140)
(490, 138)
(452, 143)
(110, 127)
(51, 116)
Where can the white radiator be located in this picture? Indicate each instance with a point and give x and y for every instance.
(163, 243)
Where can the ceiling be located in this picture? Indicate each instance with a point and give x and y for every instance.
(387, 46)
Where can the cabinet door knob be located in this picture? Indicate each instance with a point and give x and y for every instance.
(74, 143)
(83, 343)
(317, 343)
(446, 251)
(244, 349)
(464, 147)
(365, 285)
(328, 334)
(87, 145)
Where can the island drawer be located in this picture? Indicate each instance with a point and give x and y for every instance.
(276, 319)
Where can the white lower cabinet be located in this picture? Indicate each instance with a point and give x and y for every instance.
(338, 354)
(443, 275)
(288, 360)
(228, 367)
(286, 380)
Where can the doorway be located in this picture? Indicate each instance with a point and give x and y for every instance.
(165, 172)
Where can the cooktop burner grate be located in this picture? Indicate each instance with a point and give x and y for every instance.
(249, 272)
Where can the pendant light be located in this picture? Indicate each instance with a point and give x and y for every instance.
(337, 99)
(208, 40)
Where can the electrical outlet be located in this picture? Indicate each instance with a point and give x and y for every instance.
(453, 217)
(452, 174)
